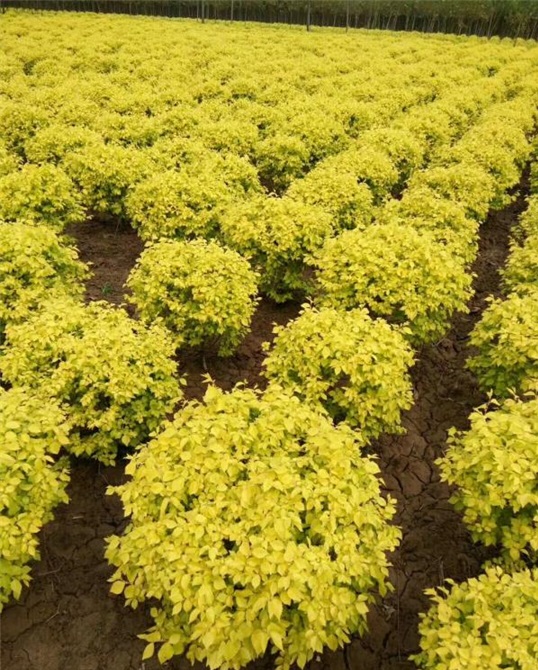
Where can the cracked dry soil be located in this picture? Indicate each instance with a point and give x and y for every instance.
(67, 620)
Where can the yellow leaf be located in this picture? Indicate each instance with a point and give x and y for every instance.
(165, 653)
(259, 641)
(275, 608)
(148, 651)
(117, 588)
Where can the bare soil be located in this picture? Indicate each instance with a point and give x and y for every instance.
(67, 619)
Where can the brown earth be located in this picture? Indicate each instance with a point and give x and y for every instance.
(67, 620)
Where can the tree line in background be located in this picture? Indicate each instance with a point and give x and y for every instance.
(506, 18)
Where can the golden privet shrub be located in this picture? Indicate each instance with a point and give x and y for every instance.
(466, 183)
(278, 235)
(19, 122)
(495, 468)
(503, 156)
(40, 194)
(395, 272)
(355, 366)
(280, 158)
(485, 623)
(401, 145)
(106, 174)
(34, 262)
(369, 165)
(255, 525)
(180, 204)
(506, 339)
(32, 432)
(203, 292)
(349, 202)
(445, 220)
(114, 377)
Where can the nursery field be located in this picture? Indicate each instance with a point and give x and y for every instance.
(268, 347)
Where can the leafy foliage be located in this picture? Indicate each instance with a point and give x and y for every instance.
(323, 135)
(39, 194)
(277, 235)
(8, 162)
(32, 432)
(177, 204)
(445, 220)
(521, 271)
(34, 263)
(395, 272)
(528, 221)
(507, 341)
(495, 467)
(465, 183)
(255, 524)
(189, 202)
(18, 123)
(113, 377)
(503, 157)
(405, 151)
(349, 202)
(177, 152)
(236, 172)
(534, 175)
(279, 159)
(105, 175)
(203, 292)
(356, 367)
(370, 165)
(56, 141)
(486, 623)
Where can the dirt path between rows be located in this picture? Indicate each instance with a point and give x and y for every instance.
(67, 620)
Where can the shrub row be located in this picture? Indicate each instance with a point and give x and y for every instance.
(404, 268)
(350, 184)
(496, 487)
(489, 622)
(506, 337)
(86, 379)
